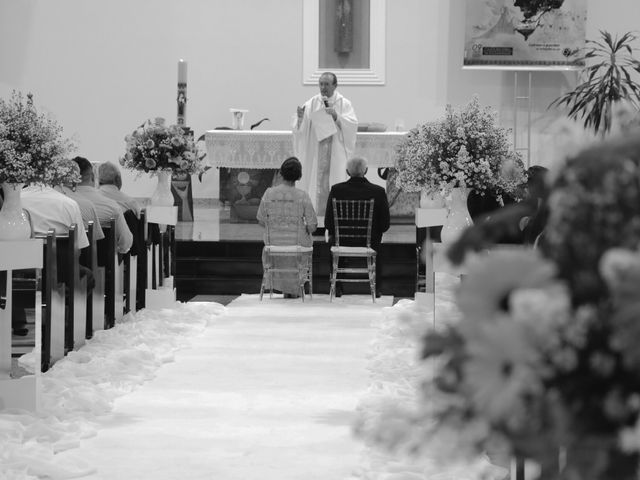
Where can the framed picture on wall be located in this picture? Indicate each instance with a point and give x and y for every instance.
(525, 35)
(346, 37)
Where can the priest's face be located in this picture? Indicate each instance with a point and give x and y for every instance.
(327, 85)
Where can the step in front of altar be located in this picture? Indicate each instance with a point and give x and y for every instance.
(235, 267)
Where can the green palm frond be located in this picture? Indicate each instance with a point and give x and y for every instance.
(608, 78)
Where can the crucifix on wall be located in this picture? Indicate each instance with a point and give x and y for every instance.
(344, 30)
(344, 27)
(346, 37)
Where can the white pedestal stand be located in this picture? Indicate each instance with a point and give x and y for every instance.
(163, 296)
(425, 218)
(21, 392)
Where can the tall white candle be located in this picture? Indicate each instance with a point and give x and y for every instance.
(182, 71)
(182, 93)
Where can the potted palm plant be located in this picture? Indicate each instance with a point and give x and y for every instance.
(607, 79)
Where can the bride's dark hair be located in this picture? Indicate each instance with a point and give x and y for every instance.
(291, 169)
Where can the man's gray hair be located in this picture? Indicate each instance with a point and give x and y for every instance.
(357, 167)
(109, 174)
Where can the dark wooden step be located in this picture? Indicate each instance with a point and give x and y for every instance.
(228, 268)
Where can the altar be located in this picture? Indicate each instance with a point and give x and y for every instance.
(220, 249)
(248, 161)
(268, 149)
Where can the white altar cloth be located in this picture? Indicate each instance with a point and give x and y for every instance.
(268, 149)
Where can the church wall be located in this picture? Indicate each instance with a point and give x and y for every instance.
(104, 67)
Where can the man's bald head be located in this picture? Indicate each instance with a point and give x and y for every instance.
(109, 174)
(357, 167)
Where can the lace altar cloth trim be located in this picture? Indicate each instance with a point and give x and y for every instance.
(267, 149)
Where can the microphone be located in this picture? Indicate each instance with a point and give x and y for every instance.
(326, 102)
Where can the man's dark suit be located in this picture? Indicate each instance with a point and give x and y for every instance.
(359, 188)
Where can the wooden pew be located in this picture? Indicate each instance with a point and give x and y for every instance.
(53, 313)
(130, 261)
(155, 237)
(118, 290)
(95, 319)
(129, 281)
(64, 302)
(76, 288)
(143, 260)
(108, 261)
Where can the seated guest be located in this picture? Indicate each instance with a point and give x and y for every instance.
(290, 173)
(49, 208)
(106, 208)
(110, 184)
(87, 209)
(359, 188)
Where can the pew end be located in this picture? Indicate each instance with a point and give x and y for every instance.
(23, 392)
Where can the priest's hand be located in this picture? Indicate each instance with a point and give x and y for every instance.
(331, 111)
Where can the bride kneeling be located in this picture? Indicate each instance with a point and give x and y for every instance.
(289, 219)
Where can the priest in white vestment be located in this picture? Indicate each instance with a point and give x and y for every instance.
(324, 138)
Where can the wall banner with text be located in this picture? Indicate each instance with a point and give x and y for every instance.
(525, 34)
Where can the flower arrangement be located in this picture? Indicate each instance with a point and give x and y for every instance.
(154, 147)
(465, 149)
(543, 362)
(524, 373)
(31, 144)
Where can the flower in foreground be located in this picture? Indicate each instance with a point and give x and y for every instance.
(491, 279)
(502, 367)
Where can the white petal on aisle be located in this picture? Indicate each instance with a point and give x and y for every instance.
(83, 386)
(268, 391)
(396, 374)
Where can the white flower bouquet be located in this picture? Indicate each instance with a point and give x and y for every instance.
(31, 144)
(465, 149)
(153, 147)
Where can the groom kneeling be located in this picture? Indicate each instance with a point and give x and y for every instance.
(359, 188)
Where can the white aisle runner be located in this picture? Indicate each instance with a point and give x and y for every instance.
(268, 391)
